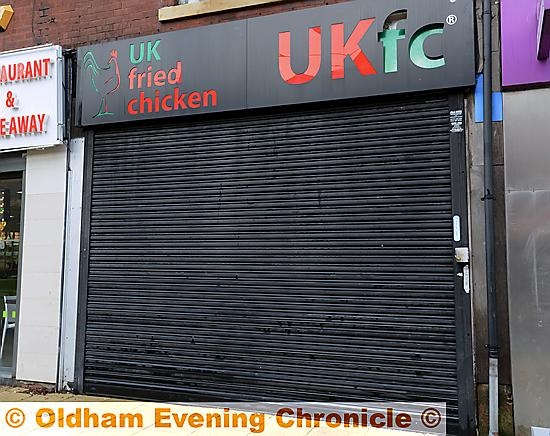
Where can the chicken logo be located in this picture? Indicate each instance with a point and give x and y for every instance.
(103, 80)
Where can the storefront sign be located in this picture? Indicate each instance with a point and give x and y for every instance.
(353, 49)
(525, 42)
(31, 113)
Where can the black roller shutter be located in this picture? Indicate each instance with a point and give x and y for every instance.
(303, 255)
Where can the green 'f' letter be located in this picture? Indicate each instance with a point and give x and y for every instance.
(389, 39)
(416, 47)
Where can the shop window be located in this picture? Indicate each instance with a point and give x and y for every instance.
(192, 8)
(10, 220)
(11, 188)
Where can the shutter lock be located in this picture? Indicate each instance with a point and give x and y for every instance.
(462, 256)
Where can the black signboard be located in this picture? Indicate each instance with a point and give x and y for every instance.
(353, 49)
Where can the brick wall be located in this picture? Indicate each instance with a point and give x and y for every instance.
(72, 23)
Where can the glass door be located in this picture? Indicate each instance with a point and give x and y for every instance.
(11, 189)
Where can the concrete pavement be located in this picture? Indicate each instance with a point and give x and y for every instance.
(36, 392)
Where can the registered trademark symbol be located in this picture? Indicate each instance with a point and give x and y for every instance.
(452, 19)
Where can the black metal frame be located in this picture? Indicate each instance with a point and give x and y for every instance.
(465, 363)
(84, 259)
(19, 270)
(465, 369)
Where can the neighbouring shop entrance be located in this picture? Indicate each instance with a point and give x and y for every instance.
(281, 255)
(32, 167)
(11, 191)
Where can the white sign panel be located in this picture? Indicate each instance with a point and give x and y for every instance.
(31, 98)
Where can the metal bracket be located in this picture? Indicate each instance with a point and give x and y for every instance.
(462, 254)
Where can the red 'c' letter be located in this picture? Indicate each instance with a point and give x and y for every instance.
(314, 65)
(341, 49)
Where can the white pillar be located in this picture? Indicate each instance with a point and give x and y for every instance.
(41, 265)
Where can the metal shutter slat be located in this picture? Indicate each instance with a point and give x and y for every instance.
(307, 254)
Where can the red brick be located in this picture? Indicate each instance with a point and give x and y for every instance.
(80, 22)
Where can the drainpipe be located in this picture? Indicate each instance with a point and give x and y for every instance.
(489, 218)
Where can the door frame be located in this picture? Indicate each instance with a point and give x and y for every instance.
(84, 262)
(463, 302)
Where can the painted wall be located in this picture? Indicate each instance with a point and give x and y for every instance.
(527, 191)
(519, 25)
(41, 271)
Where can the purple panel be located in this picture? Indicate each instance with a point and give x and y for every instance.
(520, 65)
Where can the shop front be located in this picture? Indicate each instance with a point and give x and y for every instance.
(32, 207)
(526, 82)
(277, 209)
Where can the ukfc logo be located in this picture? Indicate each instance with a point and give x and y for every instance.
(104, 79)
(341, 48)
